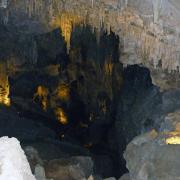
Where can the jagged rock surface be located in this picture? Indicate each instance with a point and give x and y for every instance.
(155, 155)
(109, 96)
(140, 23)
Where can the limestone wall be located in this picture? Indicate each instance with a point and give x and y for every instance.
(149, 30)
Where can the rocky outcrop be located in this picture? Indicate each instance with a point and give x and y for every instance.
(125, 177)
(72, 168)
(155, 155)
(64, 168)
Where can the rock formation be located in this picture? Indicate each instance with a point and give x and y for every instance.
(14, 164)
(84, 76)
(140, 24)
(4, 85)
(155, 155)
(149, 30)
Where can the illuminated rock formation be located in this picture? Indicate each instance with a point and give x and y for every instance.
(61, 116)
(4, 85)
(42, 95)
(66, 21)
(63, 92)
(156, 153)
(171, 128)
(149, 29)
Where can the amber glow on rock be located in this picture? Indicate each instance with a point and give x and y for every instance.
(64, 92)
(4, 96)
(108, 66)
(173, 140)
(4, 85)
(61, 116)
(42, 94)
(174, 136)
(66, 21)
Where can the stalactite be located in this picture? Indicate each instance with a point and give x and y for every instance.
(92, 3)
(66, 22)
(138, 32)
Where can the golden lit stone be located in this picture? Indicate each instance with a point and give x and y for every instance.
(4, 96)
(173, 140)
(66, 21)
(42, 94)
(61, 116)
(4, 85)
(64, 92)
(108, 67)
(173, 137)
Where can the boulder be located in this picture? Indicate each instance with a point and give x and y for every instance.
(33, 158)
(40, 173)
(74, 168)
(156, 155)
(125, 177)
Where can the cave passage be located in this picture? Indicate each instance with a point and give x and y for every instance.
(84, 97)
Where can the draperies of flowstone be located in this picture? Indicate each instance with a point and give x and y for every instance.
(66, 22)
(86, 55)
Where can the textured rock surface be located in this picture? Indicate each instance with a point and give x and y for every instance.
(64, 167)
(125, 177)
(14, 165)
(150, 29)
(71, 168)
(102, 104)
(155, 155)
(111, 178)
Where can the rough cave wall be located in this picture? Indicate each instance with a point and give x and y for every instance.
(148, 32)
(141, 23)
(149, 29)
